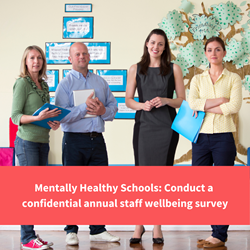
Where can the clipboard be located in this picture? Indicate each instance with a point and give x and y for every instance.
(44, 123)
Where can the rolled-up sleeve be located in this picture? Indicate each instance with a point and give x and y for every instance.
(19, 99)
(235, 101)
(194, 100)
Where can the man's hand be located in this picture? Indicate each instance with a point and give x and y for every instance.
(91, 103)
(54, 124)
(95, 107)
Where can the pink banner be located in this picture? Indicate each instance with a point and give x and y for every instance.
(179, 195)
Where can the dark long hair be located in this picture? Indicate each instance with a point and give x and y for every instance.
(165, 57)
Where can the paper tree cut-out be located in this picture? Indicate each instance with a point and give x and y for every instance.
(183, 64)
(186, 6)
(246, 40)
(172, 25)
(226, 14)
(194, 54)
(189, 34)
(246, 82)
(236, 53)
(203, 26)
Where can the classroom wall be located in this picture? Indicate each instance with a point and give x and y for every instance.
(123, 23)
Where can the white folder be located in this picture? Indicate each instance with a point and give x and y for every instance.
(80, 96)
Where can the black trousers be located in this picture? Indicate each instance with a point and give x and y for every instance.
(218, 150)
(84, 150)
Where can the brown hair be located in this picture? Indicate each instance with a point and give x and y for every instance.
(165, 57)
(215, 39)
(24, 70)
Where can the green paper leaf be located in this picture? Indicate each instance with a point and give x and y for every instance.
(172, 25)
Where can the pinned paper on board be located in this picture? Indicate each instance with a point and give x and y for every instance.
(52, 79)
(78, 27)
(58, 53)
(123, 111)
(116, 78)
(78, 7)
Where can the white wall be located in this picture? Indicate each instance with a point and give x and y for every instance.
(123, 23)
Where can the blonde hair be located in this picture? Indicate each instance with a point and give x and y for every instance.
(24, 70)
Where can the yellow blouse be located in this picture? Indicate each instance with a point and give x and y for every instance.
(228, 85)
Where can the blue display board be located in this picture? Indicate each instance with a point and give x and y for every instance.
(116, 79)
(78, 27)
(53, 79)
(78, 7)
(123, 111)
(52, 100)
(58, 53)
(66, 71)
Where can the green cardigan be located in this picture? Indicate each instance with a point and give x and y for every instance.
(27, 98)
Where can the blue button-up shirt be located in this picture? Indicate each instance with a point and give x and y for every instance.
(75, 121)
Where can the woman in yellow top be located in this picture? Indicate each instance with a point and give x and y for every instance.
(218, 92)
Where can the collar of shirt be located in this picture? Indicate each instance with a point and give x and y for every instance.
(79, 75)
(224, 72)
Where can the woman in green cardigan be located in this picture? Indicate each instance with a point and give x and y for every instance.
(30, 92)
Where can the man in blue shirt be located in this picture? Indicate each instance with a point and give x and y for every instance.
(83, 143)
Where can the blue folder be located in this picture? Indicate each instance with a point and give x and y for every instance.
(44, 123)
(186, 124)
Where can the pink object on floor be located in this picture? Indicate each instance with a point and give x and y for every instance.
(7, 157)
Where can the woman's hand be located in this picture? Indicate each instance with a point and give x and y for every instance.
(147, 106)
(46, 113)
(54, 125)
(224, 100)
(158, 102)
(195, 113)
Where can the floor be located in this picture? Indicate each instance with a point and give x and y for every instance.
(174, 240)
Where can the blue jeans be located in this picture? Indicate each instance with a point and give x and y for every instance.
(30, 154)
(83, 150)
